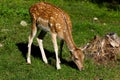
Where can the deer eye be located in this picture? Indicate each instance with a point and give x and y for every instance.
(75, 58)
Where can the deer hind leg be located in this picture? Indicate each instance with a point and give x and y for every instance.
(31, 37)
(39, 40)
(54, 40)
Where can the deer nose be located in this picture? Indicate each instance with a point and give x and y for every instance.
(81, 68)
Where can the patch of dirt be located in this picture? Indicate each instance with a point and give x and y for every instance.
(103, 50)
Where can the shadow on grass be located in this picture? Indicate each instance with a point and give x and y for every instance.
(35, 52)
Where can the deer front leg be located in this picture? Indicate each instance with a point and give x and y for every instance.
(39, 40)
(54, 40)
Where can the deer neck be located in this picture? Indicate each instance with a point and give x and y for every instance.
(69, 40)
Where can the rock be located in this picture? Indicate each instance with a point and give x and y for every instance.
(95, 19)
(1, 45)
(23, 23)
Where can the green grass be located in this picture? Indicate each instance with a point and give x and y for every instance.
(14, 38)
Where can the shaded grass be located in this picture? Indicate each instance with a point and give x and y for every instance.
(14, 38)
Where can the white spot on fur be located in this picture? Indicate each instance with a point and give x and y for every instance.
(64, 31)
(57, 24)
(51, 18)
(51, 24)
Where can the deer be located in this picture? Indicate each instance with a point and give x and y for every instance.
(53, 20)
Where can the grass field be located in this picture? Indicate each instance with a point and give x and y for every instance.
(14, 39)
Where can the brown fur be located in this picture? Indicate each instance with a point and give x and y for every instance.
(55, 21)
